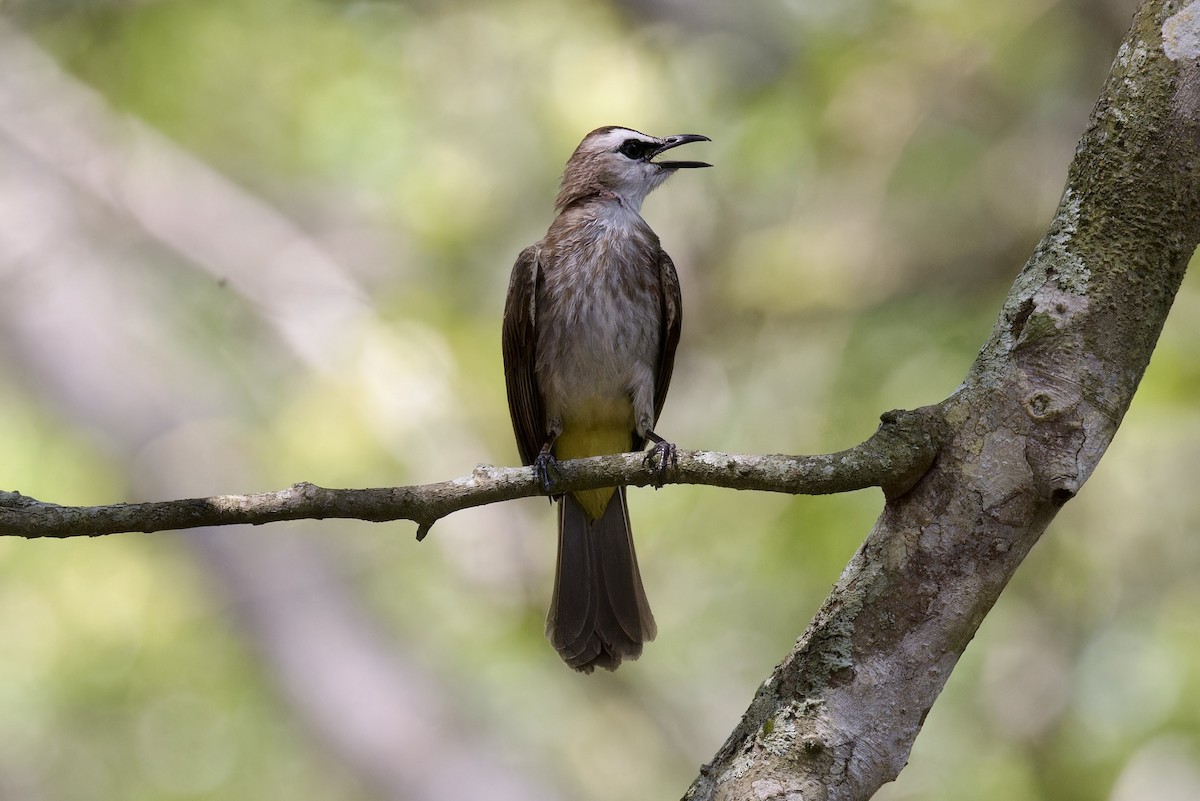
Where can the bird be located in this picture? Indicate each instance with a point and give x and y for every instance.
(591, 324)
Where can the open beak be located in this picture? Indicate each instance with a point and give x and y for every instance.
(675, 141)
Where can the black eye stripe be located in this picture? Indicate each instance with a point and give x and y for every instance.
(635, 148)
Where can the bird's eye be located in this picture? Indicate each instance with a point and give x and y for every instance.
(634, 148)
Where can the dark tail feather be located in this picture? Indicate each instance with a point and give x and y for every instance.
(599, 614)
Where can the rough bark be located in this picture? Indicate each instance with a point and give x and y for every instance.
(838, 716)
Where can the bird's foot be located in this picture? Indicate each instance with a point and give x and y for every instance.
(665, 454)
(545, 466)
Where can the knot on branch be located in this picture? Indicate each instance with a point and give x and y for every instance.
(15, 500)
(906, 444)
(305, 490)
(1052, 400)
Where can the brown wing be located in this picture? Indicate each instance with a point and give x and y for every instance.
(672, 318)
(519, 343)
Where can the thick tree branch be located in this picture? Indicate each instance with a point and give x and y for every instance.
(894, 458)
(838, 716)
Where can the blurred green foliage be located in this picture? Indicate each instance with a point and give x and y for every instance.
(883, 169)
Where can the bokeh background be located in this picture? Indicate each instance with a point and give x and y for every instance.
(250, 242)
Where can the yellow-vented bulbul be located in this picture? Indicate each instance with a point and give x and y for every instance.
(591, 323)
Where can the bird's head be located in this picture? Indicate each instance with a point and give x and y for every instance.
(620, 161)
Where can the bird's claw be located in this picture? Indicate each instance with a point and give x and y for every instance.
(545, 466)
(666, 455)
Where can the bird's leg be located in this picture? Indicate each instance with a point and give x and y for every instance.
(546, 468)
(665, 453)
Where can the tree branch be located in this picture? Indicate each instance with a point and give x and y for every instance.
(893, 458)
(838, 716)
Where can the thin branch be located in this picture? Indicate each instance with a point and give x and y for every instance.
(893, 458)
